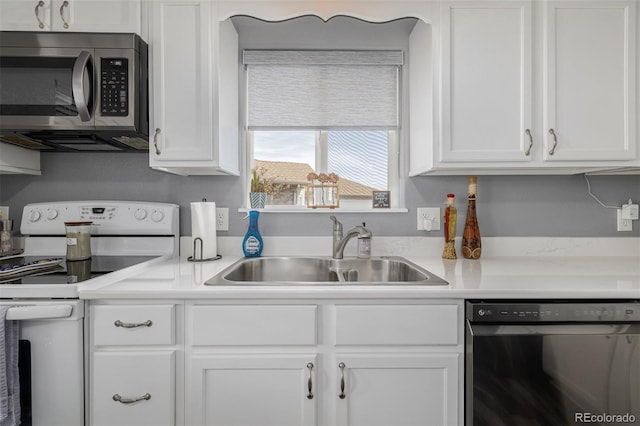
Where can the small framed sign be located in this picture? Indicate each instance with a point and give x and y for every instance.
(381, 199)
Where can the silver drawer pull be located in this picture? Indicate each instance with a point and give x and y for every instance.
(64, 4)
(147, 323)
(341, 366)
(528, 133)
(555, 142)
(121, 400)
(39, 6)
(309, 382)
(155, 142)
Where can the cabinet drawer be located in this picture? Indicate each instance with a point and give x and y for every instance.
(254, 325)
(397, 325)
(133, 325)
(148, 376)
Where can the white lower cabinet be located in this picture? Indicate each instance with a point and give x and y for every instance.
(256, 389)
(134, 361)
(133, 388)
(397, 389)
(260, 362)
(323, 363)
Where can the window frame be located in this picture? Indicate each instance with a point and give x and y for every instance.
(394, 180)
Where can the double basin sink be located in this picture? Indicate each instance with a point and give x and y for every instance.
(391, 270)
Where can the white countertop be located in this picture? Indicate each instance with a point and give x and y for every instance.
(491, 277)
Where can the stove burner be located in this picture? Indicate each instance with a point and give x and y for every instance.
(68, 271)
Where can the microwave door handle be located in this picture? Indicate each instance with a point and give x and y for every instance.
(77, 82)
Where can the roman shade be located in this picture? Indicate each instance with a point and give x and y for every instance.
(318, 89)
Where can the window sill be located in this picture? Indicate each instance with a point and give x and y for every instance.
(325, 210)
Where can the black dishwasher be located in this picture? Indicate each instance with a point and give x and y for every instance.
(535, 363)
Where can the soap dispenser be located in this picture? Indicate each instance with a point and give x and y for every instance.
(364, 245)
(252, 242)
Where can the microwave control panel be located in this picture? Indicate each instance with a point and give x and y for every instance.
(114, 82)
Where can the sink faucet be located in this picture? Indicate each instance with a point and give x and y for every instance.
(340, 241)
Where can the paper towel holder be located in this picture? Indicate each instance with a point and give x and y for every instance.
(200, 259)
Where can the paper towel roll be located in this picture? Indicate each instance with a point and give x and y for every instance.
(203, 226)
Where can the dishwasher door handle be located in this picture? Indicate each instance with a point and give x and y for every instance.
(32, 312)
(604, 329)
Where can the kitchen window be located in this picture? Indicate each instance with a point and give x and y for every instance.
(313, 112)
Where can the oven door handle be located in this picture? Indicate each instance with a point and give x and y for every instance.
(554, 329)
(20, 313)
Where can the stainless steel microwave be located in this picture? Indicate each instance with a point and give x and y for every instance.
(74, 91)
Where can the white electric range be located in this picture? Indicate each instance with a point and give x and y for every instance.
(51, 317)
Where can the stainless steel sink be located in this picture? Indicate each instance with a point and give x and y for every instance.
(325, 271)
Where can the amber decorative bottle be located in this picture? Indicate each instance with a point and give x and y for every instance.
(450, 218)
(471, 244)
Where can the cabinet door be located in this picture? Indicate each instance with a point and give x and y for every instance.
(195, 85)
(589, 80)
(486, 80)
(133, 388)
(246, 390)
(397, 389)
(181, 47)
(70, 15)
(113, 16)
(25, 15)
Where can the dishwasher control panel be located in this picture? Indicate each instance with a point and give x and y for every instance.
(531, 312)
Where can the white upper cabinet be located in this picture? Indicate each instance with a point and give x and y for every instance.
(589, 81)
(486, 81)
(532, 87)
(17, 160)
(194, 74)
(70, 15)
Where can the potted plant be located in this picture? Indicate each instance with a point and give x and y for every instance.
(260, 187)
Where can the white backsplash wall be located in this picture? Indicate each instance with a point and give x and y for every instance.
(508, 206)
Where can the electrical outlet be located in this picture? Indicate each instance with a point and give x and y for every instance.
(623, 224)
(630, 211)
(428, 216)
(222, 219)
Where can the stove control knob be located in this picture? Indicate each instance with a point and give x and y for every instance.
(140, 214)
(484, 312)
(157, 216)
(34, 216)
(52, 214)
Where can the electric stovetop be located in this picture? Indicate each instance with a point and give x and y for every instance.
(58, 270)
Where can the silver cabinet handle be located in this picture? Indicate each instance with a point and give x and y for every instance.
(84, 107)
(555, 141)
(147, 323)
(155, 141)
(121, 400)
(37, 12)
(309, 382)
(65, 23)
(528, 133)
(341, 366)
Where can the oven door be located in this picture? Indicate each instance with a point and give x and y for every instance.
(531, 375)
(47, 88)
(51, 365)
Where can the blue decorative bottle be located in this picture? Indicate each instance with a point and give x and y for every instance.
(252, 242)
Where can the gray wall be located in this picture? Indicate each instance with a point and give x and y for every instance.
(550, 206)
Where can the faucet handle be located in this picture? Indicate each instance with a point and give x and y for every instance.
(337, 226)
